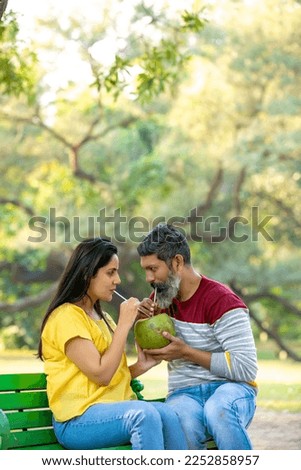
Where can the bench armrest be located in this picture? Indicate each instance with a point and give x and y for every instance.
(137, 387)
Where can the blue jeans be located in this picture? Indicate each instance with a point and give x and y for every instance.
(222, 410)
(147, 425)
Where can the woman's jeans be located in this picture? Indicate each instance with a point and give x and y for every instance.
(222, 410)
(147, 425)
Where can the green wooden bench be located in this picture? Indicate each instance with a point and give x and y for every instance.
(25, 417)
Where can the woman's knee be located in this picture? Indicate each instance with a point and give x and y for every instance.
(143, 412)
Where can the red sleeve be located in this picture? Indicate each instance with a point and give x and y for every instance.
(219, 304)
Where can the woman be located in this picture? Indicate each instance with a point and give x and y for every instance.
(88, 379)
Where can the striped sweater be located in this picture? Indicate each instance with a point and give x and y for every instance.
(214, 319)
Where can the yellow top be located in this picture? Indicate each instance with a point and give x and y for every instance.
(69, 390)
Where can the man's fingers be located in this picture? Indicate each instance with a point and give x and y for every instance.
(167, 335)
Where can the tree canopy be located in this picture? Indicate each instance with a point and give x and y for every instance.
(187, 116)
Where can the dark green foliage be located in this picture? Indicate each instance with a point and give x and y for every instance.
(16, 64)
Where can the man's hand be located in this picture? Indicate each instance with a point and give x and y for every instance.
(147, 308)
(176, 349)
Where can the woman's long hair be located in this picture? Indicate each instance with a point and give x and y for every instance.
(87, 258)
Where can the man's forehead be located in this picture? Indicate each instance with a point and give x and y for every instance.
(150, 261)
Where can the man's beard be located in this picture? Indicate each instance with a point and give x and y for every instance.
(168, 290)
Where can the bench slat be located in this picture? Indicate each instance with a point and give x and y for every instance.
(23, 400)
(11, 382)
(55, 446)
(43, 439)
(30, 419)
(59, 447)
(30, 438)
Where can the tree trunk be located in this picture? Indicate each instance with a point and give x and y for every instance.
(3, 5)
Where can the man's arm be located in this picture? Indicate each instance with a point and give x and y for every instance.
(237, 361)
(178, 349)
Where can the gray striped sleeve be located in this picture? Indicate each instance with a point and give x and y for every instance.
(238, 361)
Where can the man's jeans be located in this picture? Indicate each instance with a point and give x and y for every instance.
(147, 425)
(222, 410)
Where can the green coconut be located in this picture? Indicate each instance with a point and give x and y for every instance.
(148, 332)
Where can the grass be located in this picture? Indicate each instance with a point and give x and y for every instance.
(279, 380)
(279, 385)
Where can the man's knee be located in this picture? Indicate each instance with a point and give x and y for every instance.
(214, 410)
(190, 413)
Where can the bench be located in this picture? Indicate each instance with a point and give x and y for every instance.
(25, 417)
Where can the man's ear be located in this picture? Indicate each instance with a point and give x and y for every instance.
(178, 263)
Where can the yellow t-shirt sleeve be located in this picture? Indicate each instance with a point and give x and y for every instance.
(64, 324)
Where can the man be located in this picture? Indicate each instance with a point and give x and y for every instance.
(212, 361)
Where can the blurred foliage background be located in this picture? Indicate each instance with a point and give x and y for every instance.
(114, 117)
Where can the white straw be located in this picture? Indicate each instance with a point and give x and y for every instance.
(121, 296)
(155, 295)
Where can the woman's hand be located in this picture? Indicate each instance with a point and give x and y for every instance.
(143, 364)
(128, 313)
(146, 359)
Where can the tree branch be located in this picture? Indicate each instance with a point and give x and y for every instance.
(51, 131)
(38, 122)
(272, 334)
(211, 195)
(17, 203)
(283, 207)
(237, 188)
(196, 214)
(281, 300)
(19, 273)
(28, 302)
(3, 5)
(74, 149)
(125, 123)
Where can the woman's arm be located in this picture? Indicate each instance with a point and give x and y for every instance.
(84, 354)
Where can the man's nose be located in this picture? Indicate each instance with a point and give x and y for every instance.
(150, 277)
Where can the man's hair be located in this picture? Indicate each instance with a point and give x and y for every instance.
(166, 242)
